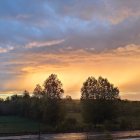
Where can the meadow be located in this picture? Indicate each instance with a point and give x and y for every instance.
(15, 125)
(128, 119)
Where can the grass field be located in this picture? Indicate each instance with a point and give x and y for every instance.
(18, 125)
(129, 119)
(14, 124)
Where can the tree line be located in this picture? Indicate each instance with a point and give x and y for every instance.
(99, 102)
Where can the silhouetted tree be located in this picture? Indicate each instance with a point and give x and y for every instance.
(52, 105)
(68, 97)
(99, 89)
(53, 87)
(26, 94)
(25, 103)
(38, 91)
(98, 98)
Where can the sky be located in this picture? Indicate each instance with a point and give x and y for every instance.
(74, 39)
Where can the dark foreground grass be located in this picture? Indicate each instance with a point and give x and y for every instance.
(128, 119)
(14, 124)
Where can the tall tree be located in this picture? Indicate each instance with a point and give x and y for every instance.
(98, 98)
(99, 89)
(53, 87)
(53, 111)
(89, 89)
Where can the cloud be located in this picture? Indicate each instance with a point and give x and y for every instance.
(126, 50)
(111, 11)
(2, 50)
(5, 50)
(43, 44)
(129, 48)
(84, 24)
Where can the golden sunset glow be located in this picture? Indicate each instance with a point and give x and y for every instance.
(73, 41)
(119, 66)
